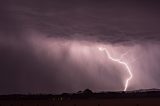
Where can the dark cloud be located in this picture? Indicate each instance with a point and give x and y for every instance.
(29, 26)
(101, 20)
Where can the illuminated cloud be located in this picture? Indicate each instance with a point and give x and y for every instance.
(51, 46)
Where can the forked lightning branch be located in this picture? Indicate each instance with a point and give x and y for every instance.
(120, 62)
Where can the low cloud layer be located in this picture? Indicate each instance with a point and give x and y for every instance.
(92, 20)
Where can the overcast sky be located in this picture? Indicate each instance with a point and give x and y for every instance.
(50, 46)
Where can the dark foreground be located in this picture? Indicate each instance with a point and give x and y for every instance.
(86, 98)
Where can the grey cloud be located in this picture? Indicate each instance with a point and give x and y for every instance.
(31, 66)
(113, 22)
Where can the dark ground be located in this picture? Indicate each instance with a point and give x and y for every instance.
(85, 98)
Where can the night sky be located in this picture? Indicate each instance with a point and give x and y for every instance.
(50, 46)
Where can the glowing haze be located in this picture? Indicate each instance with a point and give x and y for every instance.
(111, 66)
(62, 65)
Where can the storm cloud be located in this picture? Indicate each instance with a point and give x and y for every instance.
(50, 46)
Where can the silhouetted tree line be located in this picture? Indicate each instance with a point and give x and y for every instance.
(86, 94)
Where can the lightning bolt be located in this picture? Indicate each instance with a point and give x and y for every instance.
(121, 62)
